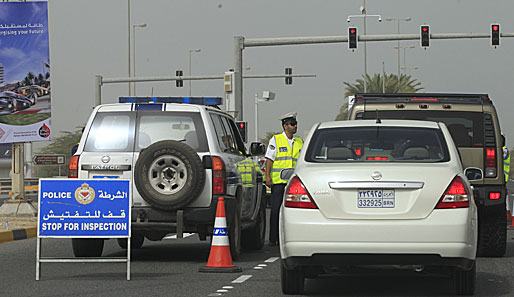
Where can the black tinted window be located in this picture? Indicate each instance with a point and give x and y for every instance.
(377, 144)
(467, 128)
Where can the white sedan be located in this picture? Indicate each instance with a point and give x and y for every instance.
(391, 193)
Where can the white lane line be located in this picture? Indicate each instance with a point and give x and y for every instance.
(257, 267)
(222, 291)
(215, 294)
(227, 287)
(241, 279)
(272, 259)
(175, 235)
(262, 265)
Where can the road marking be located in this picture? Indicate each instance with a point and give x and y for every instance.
(222, 291)
(272, 259)
(227, 287)
(257, 267)
(241, 279)
(215, 294)
(175, 236)
(262, 265)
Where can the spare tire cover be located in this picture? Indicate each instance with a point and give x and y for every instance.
(169, 175)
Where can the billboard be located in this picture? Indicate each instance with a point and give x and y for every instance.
(25, 114)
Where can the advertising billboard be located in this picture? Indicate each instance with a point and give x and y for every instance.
(25, 114)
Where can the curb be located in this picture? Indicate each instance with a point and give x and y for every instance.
(18, 234)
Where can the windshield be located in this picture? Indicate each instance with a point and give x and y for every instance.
(377, 144)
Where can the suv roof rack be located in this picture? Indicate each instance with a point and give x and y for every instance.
(429, 97)
(211, 101)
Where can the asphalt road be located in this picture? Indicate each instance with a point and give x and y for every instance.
(170, 268)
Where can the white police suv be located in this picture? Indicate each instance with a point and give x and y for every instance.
(181, 154)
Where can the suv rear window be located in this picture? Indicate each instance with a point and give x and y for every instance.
(116, 131)
(467, 128)
(372, 144)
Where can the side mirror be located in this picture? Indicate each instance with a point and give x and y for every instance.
(257, 148)
(286, 174)
(474, 174)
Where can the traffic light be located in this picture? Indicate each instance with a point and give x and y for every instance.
(352, 38)
(495, 35)
(425, 36)
(289, 80)
(179, 83)
(243, 129)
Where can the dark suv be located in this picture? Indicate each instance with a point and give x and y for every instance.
(473, 123)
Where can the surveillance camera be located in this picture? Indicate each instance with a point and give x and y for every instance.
(348, 20)
(380, 19)
(267, 95)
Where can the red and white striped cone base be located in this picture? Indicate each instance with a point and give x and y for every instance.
(220, 259)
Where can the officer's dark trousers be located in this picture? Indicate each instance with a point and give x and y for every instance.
(277, 194)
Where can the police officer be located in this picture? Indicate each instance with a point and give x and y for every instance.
(283, 151)
(506, 163)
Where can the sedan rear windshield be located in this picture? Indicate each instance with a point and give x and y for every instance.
(128, 131)
(377, 144)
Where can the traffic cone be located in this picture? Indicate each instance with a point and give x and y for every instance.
(509, 215)
(512, 222)
(220, 259)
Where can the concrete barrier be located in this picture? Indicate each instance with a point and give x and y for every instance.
(18, 234)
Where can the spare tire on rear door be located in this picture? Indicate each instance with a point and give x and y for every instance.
(169, 175)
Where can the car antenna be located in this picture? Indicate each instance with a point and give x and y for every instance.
(378, 118)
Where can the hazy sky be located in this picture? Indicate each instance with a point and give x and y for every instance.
(91, 37)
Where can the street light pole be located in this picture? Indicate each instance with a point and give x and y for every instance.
(191, 51)
(404, 55)
(134, 50)
(128, 33)
(398, 20)
(266, 96)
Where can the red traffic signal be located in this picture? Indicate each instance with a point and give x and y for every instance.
(425, 36)
(495, 35)
(352, 38)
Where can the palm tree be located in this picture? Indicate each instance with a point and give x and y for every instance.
(30, 76)
(383, 84)
(379, 84)
(41, 79)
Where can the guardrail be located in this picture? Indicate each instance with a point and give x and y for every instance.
(31, 186)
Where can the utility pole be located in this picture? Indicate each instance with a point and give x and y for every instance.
(398, 20)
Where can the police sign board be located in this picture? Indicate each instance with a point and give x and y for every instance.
(84, 208)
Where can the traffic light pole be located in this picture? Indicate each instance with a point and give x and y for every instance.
(241, 43)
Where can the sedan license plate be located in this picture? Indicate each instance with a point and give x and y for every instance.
(375, 198)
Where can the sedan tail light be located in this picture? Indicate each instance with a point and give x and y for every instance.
(297, 196)
(455, 196)
(73, 167)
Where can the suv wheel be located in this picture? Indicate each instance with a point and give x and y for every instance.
(234, 232)
(169, 175)
(464, 280)
(292, 280)
(136, 241)
(87, 247)
(492, 234)
(253, 238)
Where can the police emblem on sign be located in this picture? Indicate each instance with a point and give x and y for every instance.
(84, 194)
(283, 149)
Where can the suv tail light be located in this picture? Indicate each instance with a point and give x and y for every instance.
(73, 167)
(297, 196)
(490, 162)
(218, 175)
(455, 196)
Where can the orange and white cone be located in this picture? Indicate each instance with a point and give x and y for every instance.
(220, 259)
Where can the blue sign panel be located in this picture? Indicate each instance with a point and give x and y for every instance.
(84, 208)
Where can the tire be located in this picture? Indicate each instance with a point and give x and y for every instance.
(169, 175)
(292, 280)
(87, 247)
(464, 280)
(253, 238)
(136, 241)
(234, 232)
(492, 234)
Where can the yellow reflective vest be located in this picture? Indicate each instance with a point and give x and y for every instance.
(506, 164)
(285, 158)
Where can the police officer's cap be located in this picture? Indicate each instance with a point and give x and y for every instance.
(290, 116)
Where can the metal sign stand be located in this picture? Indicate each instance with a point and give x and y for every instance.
(66, 211)
(40, 259)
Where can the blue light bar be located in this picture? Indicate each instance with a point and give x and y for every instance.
(185, 100)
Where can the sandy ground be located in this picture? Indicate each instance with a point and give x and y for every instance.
(9, 223)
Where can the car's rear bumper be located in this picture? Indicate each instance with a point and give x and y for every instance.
(446, 233)
(340, 260)
(147, 217)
